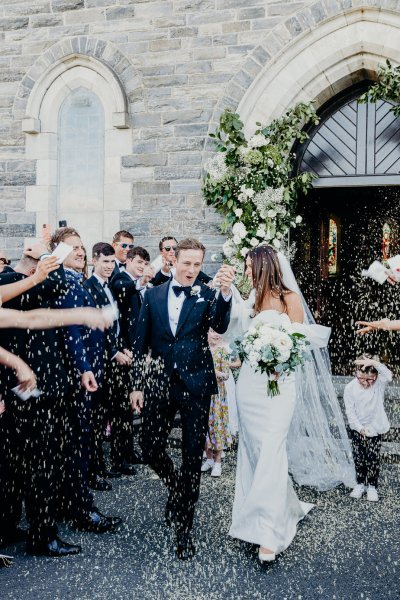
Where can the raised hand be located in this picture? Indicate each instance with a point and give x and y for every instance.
(36, 250)
(45, 267)
(225, 278)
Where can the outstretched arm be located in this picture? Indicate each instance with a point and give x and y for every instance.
(46, 318)
(26, 377)
(382, 324)
(44, 267)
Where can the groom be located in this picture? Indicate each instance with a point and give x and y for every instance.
(173, 323)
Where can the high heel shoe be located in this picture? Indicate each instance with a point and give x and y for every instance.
(263, 557)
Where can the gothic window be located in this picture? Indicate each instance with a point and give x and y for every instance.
(386, 241)
(332, 248)
(81, 152)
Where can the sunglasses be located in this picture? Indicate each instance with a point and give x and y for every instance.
(168, 248)
(5, 261)
(366, 379)
(124, 246)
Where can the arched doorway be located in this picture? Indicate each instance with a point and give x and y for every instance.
(351, 217)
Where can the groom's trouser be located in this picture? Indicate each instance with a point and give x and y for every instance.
(158, 417)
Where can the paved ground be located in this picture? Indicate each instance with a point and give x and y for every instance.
(345, 550)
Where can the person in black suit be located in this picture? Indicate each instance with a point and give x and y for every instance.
(128, 288)
(122, 242)
(167, 247)
(104, 399)
(84, 355)
(173, 323)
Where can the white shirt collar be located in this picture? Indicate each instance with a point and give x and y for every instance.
(100, 279)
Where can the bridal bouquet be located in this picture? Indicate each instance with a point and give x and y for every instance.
(274, 350)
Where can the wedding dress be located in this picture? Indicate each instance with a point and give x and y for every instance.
(301, 430)
(266, 509)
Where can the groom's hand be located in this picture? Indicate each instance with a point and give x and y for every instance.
(225, 278)
(136, 400)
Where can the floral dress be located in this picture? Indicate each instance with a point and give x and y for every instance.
(219, 437)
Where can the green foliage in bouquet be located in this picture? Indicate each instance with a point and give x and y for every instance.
(250, 182)
(386, 88)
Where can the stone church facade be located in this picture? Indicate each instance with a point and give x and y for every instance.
(106, 105)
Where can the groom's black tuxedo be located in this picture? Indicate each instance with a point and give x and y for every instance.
(185, 382)
(187, 351)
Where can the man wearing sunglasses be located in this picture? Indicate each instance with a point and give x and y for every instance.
(122, 242)
(4, 263)
(167, 248)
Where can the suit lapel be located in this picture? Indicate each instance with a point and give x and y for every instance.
(162, 305)
(100, 291)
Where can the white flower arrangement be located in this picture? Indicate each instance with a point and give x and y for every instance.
(276, 351)
(195, 291)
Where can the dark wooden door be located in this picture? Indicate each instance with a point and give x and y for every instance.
(330, 277)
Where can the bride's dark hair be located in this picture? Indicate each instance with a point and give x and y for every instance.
(267, 276)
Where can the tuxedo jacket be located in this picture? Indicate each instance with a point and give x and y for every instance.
(129, 301)
(42, 350)
(188, 349)
(84, 347)
(159, 278)
(100, 299)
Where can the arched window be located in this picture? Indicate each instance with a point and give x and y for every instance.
(332, 248)
(80, 154)
(386, 241)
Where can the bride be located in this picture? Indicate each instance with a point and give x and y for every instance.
(305, 416)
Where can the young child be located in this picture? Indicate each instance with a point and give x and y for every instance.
(218, 437)
(363, 399)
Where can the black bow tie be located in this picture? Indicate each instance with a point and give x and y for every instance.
(178, 289)
(121, 265)
(105, 284)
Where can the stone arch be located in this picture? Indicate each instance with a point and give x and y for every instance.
(100, 57)
(68, 65)
(311, 56)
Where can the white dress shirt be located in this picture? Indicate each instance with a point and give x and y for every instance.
(175, 304)
(364, 406)
(109, 296)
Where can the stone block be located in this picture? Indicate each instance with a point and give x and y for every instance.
(13, 23)
(185, 116)
(16, 166)
(195, 228)
(63, 5)
(203, 79)
(164, 45)
(97, 3)
(227, 39)
(162, 228)
(209, 53)
(175, 172)
(203, 66)
(171, 22)
(21, 218)
(251, 12)
(181, 144)
(241, 49)
(146, 120)
(157, 132)
(202, 18)
(261, 55)
(165, 81)
(188, 214)
(20, 231)
(148, 146)
(186, 187)
(90, 15)
(199, 129)
(17, 179)
(150, 188)
(183, 32)
(157, 70)
(48, 20)
(236, 26)
(138, 228)
(155, 202)
(144, 160)
(185, 158)
(120, 12)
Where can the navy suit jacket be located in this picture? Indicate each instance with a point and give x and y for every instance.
(188, 349)
(129, 301)
(84, 347)
(100, 299)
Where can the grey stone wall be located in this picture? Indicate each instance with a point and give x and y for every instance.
(189, 59)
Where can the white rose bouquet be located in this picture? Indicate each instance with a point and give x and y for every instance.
(274, 350)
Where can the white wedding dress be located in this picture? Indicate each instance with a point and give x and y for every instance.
(266, 509)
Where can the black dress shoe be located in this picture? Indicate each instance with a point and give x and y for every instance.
(100, 484)
(114, 520)
(113, 472)
(96, 523)
(185, 549)
(125, 468)
(56, 547)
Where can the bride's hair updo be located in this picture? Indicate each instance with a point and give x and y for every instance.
(267, 275)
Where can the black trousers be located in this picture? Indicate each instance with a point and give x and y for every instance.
(76, 499)
(366, 454)
(10, 476)
(158, 417)
(118, 381)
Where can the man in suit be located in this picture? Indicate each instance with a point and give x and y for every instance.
(122, 242)
(167, 247)
(38, 419)
(173, 323)
(84, 355)
(104, 400)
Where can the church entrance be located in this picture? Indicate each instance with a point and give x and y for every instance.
(350, 218)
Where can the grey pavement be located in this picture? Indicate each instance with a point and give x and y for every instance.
(344, 550)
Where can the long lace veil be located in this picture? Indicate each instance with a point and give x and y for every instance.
(319, 449)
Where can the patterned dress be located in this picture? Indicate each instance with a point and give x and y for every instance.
(219, 437)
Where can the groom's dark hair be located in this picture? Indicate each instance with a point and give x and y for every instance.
(189, 244)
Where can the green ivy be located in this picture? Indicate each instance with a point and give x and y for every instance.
(386, 88)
